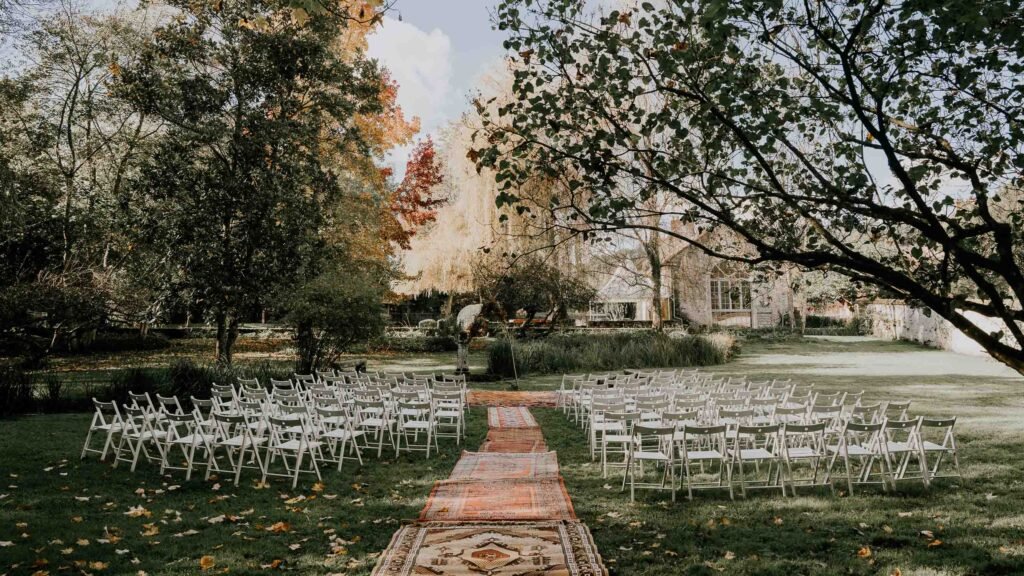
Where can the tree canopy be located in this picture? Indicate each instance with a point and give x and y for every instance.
(880, 140)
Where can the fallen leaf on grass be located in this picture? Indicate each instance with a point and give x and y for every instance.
(206, 562)
(98, 565)
(150, 530)
(279, 527)
(935, 543)
(729, 555)
(318, 487)
(137, 512)
(864, 552)
(6, 543)
(275, 564)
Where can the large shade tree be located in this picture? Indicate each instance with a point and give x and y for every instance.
(260, 101)
(879, 139)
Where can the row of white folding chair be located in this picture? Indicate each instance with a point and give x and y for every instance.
(867, 451)
(146, 423)
(698, 412)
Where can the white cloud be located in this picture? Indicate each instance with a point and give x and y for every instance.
(421, 63)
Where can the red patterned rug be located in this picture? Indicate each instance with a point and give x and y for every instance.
(514, 440)
(533, 399)
(485, 466)
(510, 417)
(468, 501)
(492, 549)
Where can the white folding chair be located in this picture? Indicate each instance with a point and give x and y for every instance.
(861, 441)
(805, 443)
(939, 448)
(704, 447)
(617, 442)
(652, 445)
(449, 412)
(372, 417)
(233, 435)
(414, 419)
(293, 440)
(141, 430)
(902, 446)
(106, 420)
(756, 445)
(336, 429)
(187, 435)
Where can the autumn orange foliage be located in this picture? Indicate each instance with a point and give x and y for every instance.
(413, 201)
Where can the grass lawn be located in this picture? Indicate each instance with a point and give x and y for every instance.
(62, 515)
(980, 523)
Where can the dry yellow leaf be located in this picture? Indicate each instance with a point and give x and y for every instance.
(137, 512)
(206, 562)
(279, 527)
(98, 565)
(864, 552)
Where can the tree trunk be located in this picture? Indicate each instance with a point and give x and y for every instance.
(654, 259)
(308, 345)
(227, 333)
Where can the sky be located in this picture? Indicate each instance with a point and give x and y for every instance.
(436, 50)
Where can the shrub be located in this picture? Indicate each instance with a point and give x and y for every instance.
(15, 391)
(136, 380)
(815, 321)
(409, 345)
(107, 342)
(186, 378)
(54, 398)
(564, 353)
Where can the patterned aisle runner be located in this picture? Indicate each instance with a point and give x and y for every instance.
(503, 512)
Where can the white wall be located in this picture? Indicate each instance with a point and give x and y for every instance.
(901, 322)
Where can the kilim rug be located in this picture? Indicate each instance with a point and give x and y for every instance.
(504, 466)
(492, 549)
(514, 440)
(510, 417)
(533, 399)
(531, 499)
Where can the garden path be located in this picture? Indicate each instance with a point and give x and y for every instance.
(504, 510)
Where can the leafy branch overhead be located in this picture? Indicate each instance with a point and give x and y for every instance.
(880, 140)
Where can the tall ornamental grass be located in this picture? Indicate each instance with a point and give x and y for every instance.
(564, 353)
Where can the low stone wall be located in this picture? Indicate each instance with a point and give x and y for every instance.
(896, 321)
